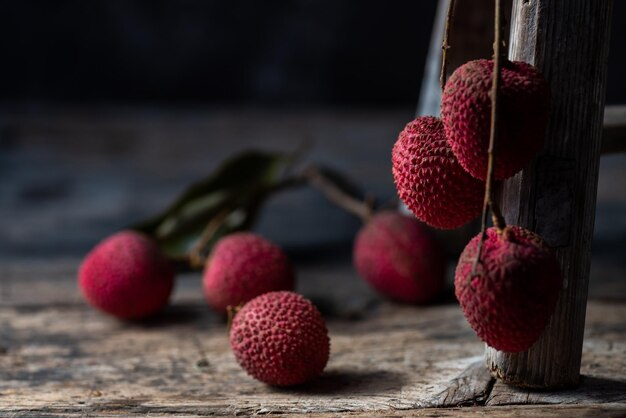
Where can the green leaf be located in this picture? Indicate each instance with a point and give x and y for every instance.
(234, 193)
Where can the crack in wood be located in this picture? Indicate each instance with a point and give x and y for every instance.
(470, 388)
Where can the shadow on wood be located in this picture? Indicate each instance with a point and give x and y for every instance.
(179, 314)
(338, 381)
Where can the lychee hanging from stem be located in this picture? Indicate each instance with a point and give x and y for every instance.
(511, 296)
(429, 179)
(466, 113)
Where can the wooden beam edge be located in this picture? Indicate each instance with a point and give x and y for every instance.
(614, 130)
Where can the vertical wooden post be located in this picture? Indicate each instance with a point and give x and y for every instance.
(555, 196)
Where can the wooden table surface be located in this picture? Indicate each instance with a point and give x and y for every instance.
(71, 177)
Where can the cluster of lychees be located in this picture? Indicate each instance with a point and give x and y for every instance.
(507, 281)
(277, 336)
(440, 167)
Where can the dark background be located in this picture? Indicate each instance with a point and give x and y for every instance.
(242, 51)
(110, 108)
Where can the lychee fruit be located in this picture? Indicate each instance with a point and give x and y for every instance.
(523, 111)
(126, 276)
(430, 180)
(280, 338)
(242, 266)
(510, 299)
(399, 258)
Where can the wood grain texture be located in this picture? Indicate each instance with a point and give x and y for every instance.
(58, 357)
(470, 388)
(556, 195)
(518, 411)
(61, 354)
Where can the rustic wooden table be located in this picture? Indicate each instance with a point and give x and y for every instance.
(71, 177)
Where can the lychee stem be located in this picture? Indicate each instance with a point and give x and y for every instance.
(231, 311)
(196, 254)
(363, 209)
(498, 219)
(445, 45)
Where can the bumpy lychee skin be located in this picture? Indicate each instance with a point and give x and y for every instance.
(513, 295)
(399, 258)
(280, 338)
(429, 179)
(126, 276)
(523, 111)
(243, 266)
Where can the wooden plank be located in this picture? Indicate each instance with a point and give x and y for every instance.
(556, 196)
(61, 354)
(591, 390)
(519, 411)
(60, 357)
(603, 367)
(101, 169)
(95, 170)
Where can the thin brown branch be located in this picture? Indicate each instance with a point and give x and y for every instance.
(317, 179)
(496, 216)
(488, 202)
(231, 311)
(197, 257)
(446, 43)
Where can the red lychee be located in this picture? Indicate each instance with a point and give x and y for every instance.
(430, 180)
(511, 298)
(243, 266)
(523, 110)
(127, 276)
(280, 338)
(399, 258)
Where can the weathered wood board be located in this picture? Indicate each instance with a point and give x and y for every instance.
(71, 176)
(555, 195)
(58, 356)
